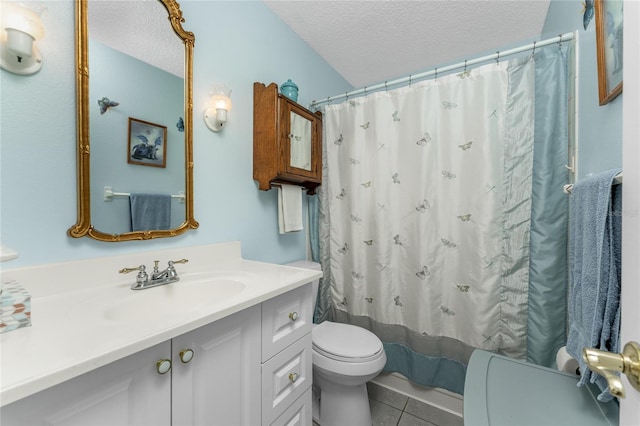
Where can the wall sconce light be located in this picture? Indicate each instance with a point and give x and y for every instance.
(215, 116)
(20, 28)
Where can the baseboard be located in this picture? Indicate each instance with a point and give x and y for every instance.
(439, 398)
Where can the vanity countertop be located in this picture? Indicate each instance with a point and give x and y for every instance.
(84, 314)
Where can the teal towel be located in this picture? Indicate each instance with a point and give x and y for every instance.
(150, 212)
(595, 226)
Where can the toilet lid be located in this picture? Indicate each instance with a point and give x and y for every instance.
(345, 342)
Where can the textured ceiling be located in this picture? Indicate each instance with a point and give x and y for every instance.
(129, 26)
(365, 41)
(372, 41)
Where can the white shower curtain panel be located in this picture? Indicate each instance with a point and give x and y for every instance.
(427, 206)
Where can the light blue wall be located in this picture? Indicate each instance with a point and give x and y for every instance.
(599, 127)
(237, 43)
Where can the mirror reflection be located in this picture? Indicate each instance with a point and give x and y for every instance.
(143, 71)
(136, 111)
(300, 142)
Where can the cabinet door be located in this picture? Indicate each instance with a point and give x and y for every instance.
(126, 392)
(220, 385)
(300, 138)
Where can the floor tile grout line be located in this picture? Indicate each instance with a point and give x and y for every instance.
(402, 410)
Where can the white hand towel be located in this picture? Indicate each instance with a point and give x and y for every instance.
(289, 208)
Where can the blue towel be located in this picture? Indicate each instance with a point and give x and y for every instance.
(150, 211)
(594, 262)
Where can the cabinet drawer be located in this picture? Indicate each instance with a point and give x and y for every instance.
(298, 414)
(285, 319)
(285, 377)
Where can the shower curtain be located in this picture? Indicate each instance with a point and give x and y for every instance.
(425, 216)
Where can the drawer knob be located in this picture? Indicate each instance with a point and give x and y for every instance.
(163, 366)
(293, 316)
(186, 355)
(293, 377)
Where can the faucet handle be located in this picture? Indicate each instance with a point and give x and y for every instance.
(155, 266)
(606, 363)
(172, 270)
(141, 279)
(140, 268)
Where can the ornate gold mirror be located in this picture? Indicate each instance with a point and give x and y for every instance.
(134, 120)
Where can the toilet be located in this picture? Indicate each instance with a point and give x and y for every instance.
(345, 357)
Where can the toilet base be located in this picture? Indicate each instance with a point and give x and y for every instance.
(339, 405)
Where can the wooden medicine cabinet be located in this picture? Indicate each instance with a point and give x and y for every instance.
(286, 141)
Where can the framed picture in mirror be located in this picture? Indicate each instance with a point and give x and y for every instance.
(609, 48)
(147, 144)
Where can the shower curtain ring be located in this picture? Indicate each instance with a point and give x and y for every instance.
(465, 65)
(560, 42)
(533, 51)
(436, 73)
(385, 86)
(409, 80)
(498, 58)
(365, 90)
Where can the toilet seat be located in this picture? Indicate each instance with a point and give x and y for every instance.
(346, 342)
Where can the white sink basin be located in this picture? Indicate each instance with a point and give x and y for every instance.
(175, 299)
(192, 293)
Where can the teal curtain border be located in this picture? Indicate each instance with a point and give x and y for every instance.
(314, 235)
(548, 276)
(425, 370)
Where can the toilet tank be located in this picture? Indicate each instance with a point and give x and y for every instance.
(308, 264)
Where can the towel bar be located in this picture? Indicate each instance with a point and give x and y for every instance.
(617, 180)
(109, 194)
(279, 183)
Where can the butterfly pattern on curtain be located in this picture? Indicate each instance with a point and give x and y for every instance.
(427, 211)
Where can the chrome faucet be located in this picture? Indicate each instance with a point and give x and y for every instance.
(169, 275)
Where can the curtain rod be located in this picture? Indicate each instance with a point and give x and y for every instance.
(558, 39)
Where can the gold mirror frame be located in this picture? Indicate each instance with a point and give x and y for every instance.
(83, 226)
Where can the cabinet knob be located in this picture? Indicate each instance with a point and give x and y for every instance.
(293, 377)
(186, 355)
(293, 316)
(163, 366)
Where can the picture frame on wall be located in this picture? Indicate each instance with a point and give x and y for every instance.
(147, 143)
(609, 48)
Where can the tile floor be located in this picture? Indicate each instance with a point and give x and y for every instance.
(389, 408)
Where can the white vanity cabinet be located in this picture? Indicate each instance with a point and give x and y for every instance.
(249, 368)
